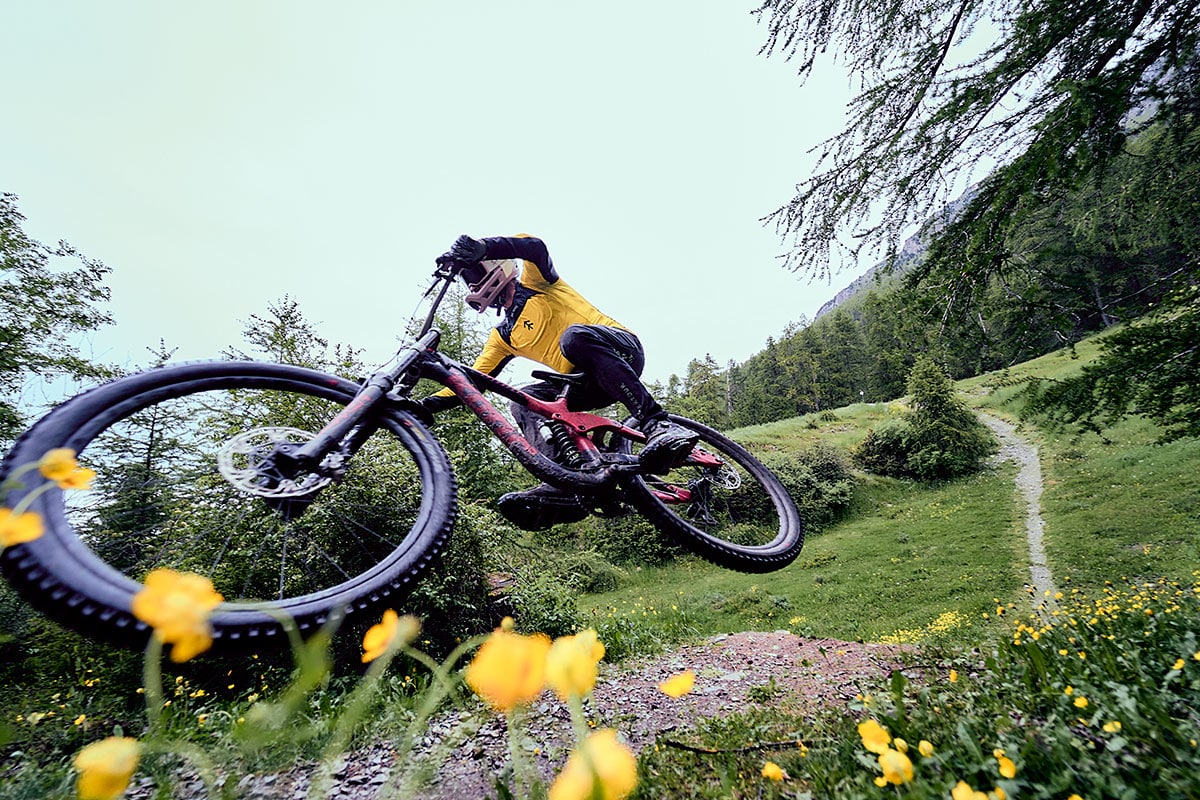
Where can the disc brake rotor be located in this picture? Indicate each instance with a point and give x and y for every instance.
(725, 477)
(243, 462)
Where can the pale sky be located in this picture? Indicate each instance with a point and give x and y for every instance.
(219, 155)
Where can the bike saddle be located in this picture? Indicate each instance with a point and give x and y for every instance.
(560, 378)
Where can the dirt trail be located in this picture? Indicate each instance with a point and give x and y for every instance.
(733, 671)
(1029, 483)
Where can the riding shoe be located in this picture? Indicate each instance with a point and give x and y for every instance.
(667, 445)
(540, 507)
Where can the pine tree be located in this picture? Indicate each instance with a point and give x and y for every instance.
(939, 439)
(42, 309)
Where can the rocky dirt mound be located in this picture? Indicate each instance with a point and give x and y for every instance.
(808, 674)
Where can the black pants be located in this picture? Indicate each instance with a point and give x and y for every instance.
(613, 360)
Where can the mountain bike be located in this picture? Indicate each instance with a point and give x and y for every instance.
(308, 494)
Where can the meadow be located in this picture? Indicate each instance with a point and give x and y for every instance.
(1089, 693)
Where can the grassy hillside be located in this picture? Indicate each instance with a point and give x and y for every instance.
(1115, 507)
(1092, 693)
(907, 556)
(943, 567)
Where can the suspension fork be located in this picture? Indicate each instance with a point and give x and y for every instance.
(357, 412)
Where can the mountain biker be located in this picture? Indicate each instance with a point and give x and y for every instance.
(545, 320)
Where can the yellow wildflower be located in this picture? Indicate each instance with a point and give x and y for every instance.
(56, 464)
(510, 669)
(954, 676)
(78, 479)
(896, 766)
(177, 606)
(1081, 702)
(679, 685)
(1007, 768)
(60, 466)
(19, 528)
(925, 748)
(962, 791)
(874, 736)
(571, 664)
(601, 767)
(105, 768)
(392, 630)
(1000, 794)
(774, 772)
(1178, 664)
(1112, 727)
(900, 745)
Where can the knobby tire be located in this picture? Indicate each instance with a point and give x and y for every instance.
(753, 528)
(159, 501)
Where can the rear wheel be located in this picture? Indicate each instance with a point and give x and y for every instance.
(722, 504)
(178, 454)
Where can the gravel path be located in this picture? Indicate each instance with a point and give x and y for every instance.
(780, 668)
(1029, 483)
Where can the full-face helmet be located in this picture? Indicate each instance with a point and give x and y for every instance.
(494, 281)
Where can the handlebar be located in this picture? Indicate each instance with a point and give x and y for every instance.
(448, 268)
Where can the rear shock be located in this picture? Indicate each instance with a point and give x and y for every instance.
(565, 451)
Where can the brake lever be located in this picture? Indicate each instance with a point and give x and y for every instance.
(446, 271)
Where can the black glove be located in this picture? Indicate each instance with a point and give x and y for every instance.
(464, 257)
(467, 250)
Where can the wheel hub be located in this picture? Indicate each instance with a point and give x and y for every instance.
(248, 462)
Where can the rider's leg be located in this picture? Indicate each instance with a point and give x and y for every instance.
(613, 360)
(543, 505)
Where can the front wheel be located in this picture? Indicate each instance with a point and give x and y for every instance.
(178, 453)
(721, 504)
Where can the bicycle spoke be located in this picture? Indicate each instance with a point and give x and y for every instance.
(190, 518)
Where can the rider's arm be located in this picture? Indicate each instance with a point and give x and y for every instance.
(528, 248)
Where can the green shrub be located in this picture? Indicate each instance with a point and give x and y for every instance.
(453, 600)
(884, 450)
(939, 439)
(818, 479)
(589, 572)
(543, 602)
(628, 541)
